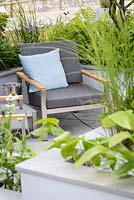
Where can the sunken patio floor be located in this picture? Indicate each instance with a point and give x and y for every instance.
(77, 123)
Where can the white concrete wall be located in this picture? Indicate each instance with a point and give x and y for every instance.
(37, 187)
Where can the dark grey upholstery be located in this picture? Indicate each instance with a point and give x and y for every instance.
(74, 95)
(68, 55)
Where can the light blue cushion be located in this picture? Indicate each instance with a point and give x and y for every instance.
(45, 68)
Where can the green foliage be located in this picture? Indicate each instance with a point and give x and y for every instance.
(8, 55)
(112, 54)
(73, 29)
(25, 28)
(3, 22)
(12, 151)
(124, 119)
(105, 3)
(49, 125)
(8, 51)
(105, 153)
(118, 11)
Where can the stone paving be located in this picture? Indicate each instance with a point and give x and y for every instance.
(77, 123)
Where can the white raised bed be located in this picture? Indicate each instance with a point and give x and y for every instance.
(49, 177)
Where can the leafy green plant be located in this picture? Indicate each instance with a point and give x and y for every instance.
(105, 3)
(113, 55)
(73, 29)
(3, 23)
(8, 51)
(119, 10)
(8, 55)
(25, 27)
(12, 149)
(106, 153)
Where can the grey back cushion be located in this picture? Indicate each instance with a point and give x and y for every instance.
(68, 56)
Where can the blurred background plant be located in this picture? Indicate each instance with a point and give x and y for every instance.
(3, 22)
(8, 54)
(12, 149)
(105, 3)
(8, 51)
(113, 55)
(25, 27)
(73, 29)
(22, 28)
(118, 11)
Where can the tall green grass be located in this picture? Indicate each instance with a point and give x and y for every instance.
(25, 27)
(8, 55)
(8, 52)
(113, 54)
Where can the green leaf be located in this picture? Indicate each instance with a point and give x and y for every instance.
(55, 145)
(123, 119)
(102, 140)
(56, 130)
(96, 160)
(132, 104)
(118, 138)
(107, 122)
(133, 138)
(2, 175)
(108, 154)
(87, 144)
(125, 168)
(53, 121)
(63, 137)
(32, 152)
(110, 162)
(40, 131)
(89, 154)
(70, 149)
(124, 151)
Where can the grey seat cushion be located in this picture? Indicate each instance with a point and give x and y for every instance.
(74, 95)
(68, 56)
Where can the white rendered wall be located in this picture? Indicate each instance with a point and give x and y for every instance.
(40, 188)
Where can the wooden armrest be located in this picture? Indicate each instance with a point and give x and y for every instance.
(3, 98)
(14, 116)
(30, 81)
(93, 76)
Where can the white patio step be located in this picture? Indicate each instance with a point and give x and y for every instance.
(9, 195)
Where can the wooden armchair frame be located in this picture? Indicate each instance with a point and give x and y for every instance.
(42, 90)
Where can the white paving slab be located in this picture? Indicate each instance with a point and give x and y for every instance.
(9, 195)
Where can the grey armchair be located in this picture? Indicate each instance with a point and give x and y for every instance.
(77, 96)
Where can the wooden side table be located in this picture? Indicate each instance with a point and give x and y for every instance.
(31, 115)
(22, 112)
(16, 116)
(19, 117)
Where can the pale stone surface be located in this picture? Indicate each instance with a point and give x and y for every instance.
(50, 165)
(9, 195)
